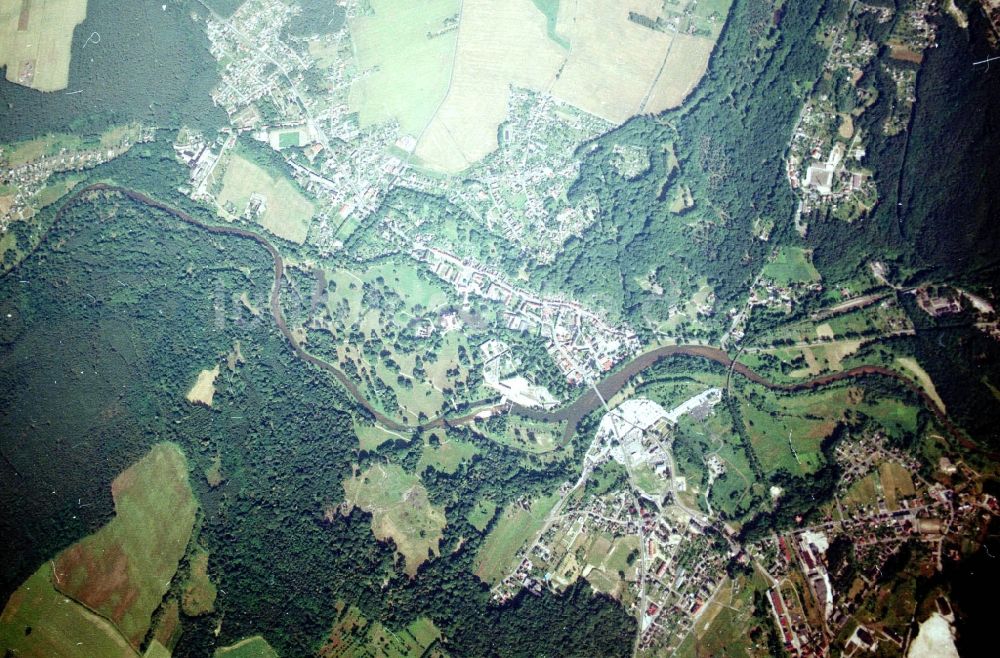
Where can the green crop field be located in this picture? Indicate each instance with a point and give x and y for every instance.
(515, 527)
(400, 511)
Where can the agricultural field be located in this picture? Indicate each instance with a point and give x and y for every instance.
(444, 454)
(121, 572)
(284, 211)
(40, 622)
(591, 54)
(251, 647)
(519, 523)
(124, 569)
(386, 328)
(355, 636)
(36, 39)
(400, 511)
(409, 49)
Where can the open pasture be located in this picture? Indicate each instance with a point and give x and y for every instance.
(445, 455)
(518, 524)
(400, 511)
(791, 265)
(36, 38)
(287, 213)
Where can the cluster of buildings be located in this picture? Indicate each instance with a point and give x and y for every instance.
(662, 561)
(27, 179)
(942, 300)
(519, 191)
(936, 514)
(581, 342)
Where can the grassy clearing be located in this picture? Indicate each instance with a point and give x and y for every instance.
(515, 527)
(204, 387)
(199, 591)
(400, 511)
(58, 626)
(124, 569)
(353, 635)
(445, 455)
(252, 647)
(409, 48)
(791, 265)
(523, 433)
(370, 437)
(722, 631)
(36, 38)
(287, 213)
(863, 493)
(923, 378)
(481, 515)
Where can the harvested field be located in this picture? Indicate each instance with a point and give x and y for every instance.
(499, 44)
(450, 87)
(683, 67)
(124, 569)
(36, 39)
(204, 387)
(286, 212)
(409, 49)
(400, 511)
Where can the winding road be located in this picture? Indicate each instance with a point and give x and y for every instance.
(572, 413)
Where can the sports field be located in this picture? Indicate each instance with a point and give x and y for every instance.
(36, 40)
(287, 213)
(400, 511)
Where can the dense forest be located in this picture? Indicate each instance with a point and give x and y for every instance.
(146, 65)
